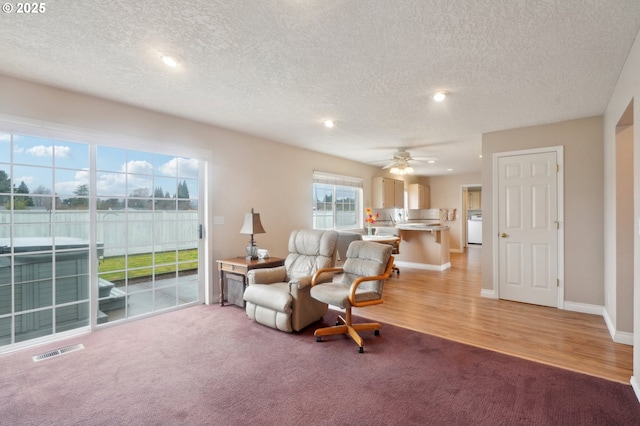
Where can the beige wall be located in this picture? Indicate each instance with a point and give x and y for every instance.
(446, 192)
(244, 172)
(583, 200)
(626, 91)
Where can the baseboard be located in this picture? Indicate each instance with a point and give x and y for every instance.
(489, 294)
(584, 308)
(622, 337)
(424, 266)
(636, 387)
(456, 251)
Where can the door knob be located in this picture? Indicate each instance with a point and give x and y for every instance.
(503, 235)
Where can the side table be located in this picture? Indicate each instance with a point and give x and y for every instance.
(239, 267)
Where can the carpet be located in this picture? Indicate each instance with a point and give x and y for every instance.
(210, 365)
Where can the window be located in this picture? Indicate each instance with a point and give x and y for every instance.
(337, 201)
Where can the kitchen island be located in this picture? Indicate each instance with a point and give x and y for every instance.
(424, 246)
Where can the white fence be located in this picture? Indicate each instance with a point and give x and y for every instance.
(119, 231)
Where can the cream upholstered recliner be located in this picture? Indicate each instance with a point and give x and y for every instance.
(365, 270)
(279, 297)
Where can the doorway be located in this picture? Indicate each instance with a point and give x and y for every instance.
(622, 295)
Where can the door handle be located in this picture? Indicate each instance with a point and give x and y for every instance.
(503, 235)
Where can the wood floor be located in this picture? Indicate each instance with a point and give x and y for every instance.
(448, 304)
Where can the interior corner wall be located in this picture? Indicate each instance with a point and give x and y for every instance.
(626, 90)
(583, 200)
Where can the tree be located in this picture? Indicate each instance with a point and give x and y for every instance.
(22, 202)
(81, 191)
(5, 189)
(183, 192)
(160, 202)
(42, 202)
(143, 203)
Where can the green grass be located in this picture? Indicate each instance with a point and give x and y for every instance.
(142, 265)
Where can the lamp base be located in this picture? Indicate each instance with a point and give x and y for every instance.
(252, 252)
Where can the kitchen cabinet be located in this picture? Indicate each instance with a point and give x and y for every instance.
(387, 193)
(474, 200)
(419, 196)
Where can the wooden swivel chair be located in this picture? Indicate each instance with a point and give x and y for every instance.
(364, 272)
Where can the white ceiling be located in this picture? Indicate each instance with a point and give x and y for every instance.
(277, 68)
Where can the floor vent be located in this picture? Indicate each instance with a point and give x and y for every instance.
(58, 352)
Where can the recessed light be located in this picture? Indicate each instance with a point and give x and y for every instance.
(171, 61)
(440, 96)
(449, 170)
(329, 123)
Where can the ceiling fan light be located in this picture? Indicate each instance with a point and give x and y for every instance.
(395, 170)
(408, 170)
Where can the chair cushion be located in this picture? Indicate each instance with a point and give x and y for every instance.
(337, 294)
(366, 259)
(310, 250)
(274, 296)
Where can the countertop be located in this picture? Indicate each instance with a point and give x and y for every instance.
(416, 226)
(421, 227)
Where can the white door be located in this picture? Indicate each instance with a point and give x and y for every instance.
(527, 226)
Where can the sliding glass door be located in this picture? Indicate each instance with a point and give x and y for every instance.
(91, 234)
(147, 232)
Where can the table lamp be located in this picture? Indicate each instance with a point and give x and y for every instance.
(252, 226)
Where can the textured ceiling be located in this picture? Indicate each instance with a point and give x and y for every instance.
(277, 68)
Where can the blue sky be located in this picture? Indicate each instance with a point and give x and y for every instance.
(120, 171)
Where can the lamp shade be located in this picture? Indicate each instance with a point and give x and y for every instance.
(252, 224)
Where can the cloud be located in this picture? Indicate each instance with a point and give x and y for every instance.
(62, 151)
(40, 151)
(111, 184)
(28, 180)
(81, 177)
(181, 167)
(138, 166)
(44, 151)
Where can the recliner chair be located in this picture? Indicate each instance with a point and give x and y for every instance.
(279, 297)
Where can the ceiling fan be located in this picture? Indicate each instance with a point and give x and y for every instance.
(401, 162)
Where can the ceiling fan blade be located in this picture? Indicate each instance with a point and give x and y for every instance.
(388, 166)
(425, 159)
